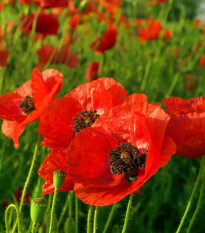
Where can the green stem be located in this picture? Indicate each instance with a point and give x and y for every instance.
(29, 174)
(89, 219)
(190, 200)
(199, 200)
(127, 213)
(109, 218)
(146, 74)
(33, 228)
(76, 214)
(6, 215)
(28, 179)
(95, 220)
(173, 84)
(53, 210)
(64, 210)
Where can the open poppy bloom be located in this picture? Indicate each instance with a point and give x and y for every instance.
(27, 103)
(56, 160)
(92, 71)
(67, 116)
(46, 24)
(61, 56)
(106, 41)
(119, 152)
(187, 125)
(151, 31)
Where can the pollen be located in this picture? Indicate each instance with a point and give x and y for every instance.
(27, 105)
(127, 159)
(84, 119)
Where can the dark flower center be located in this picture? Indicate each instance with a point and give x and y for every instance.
(27, 105)
(127, 160)
(84, 119)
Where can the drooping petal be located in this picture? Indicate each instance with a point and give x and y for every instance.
(9, 129)
(56, 160)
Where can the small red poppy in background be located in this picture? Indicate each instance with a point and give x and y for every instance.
(202, 60)
(3, 57)
(187, 125)
(47, 24)
(92, 71)
(197, 23)
(190, 81)
(106, 41)
(27, 103)
(17, 195)
(154, 2)
(167, 34)
(26, 1)
(151, 31)
(74, 21)
(56, 160)
(67, 116)
(60, 56)
(119, 152)
(52, 3)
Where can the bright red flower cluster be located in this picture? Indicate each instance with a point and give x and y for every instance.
(108, 145)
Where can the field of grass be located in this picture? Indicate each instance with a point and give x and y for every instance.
(158, 68)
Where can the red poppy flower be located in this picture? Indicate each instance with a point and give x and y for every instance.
(197, 23)
(61, 56)
(27, 103)
(74, 21)
(92, 71)
(187, 125)
(151, 32)
(167, 34)
(56, 160)
(119, 152)
(106, 41)
(66, 116)
(202, 60)
(52, 3)
(3, 57)
(47, 24)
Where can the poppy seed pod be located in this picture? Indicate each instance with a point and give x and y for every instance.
(58, 178)
(38, 210)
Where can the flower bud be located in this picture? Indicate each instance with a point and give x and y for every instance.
(38, 210)
(58, 178)
(83, 6)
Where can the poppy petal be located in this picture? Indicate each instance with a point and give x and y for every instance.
(95, 168)
(56, 160)
(56, 123)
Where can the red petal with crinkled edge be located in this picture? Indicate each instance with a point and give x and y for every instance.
(188, 132)
(88, 160)
(100, 95)
(120, 120)
(52, 77)
(56, 160)
(176, 105)
(102, 196)
(9, 107)
(136, 98)
(56, 123)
